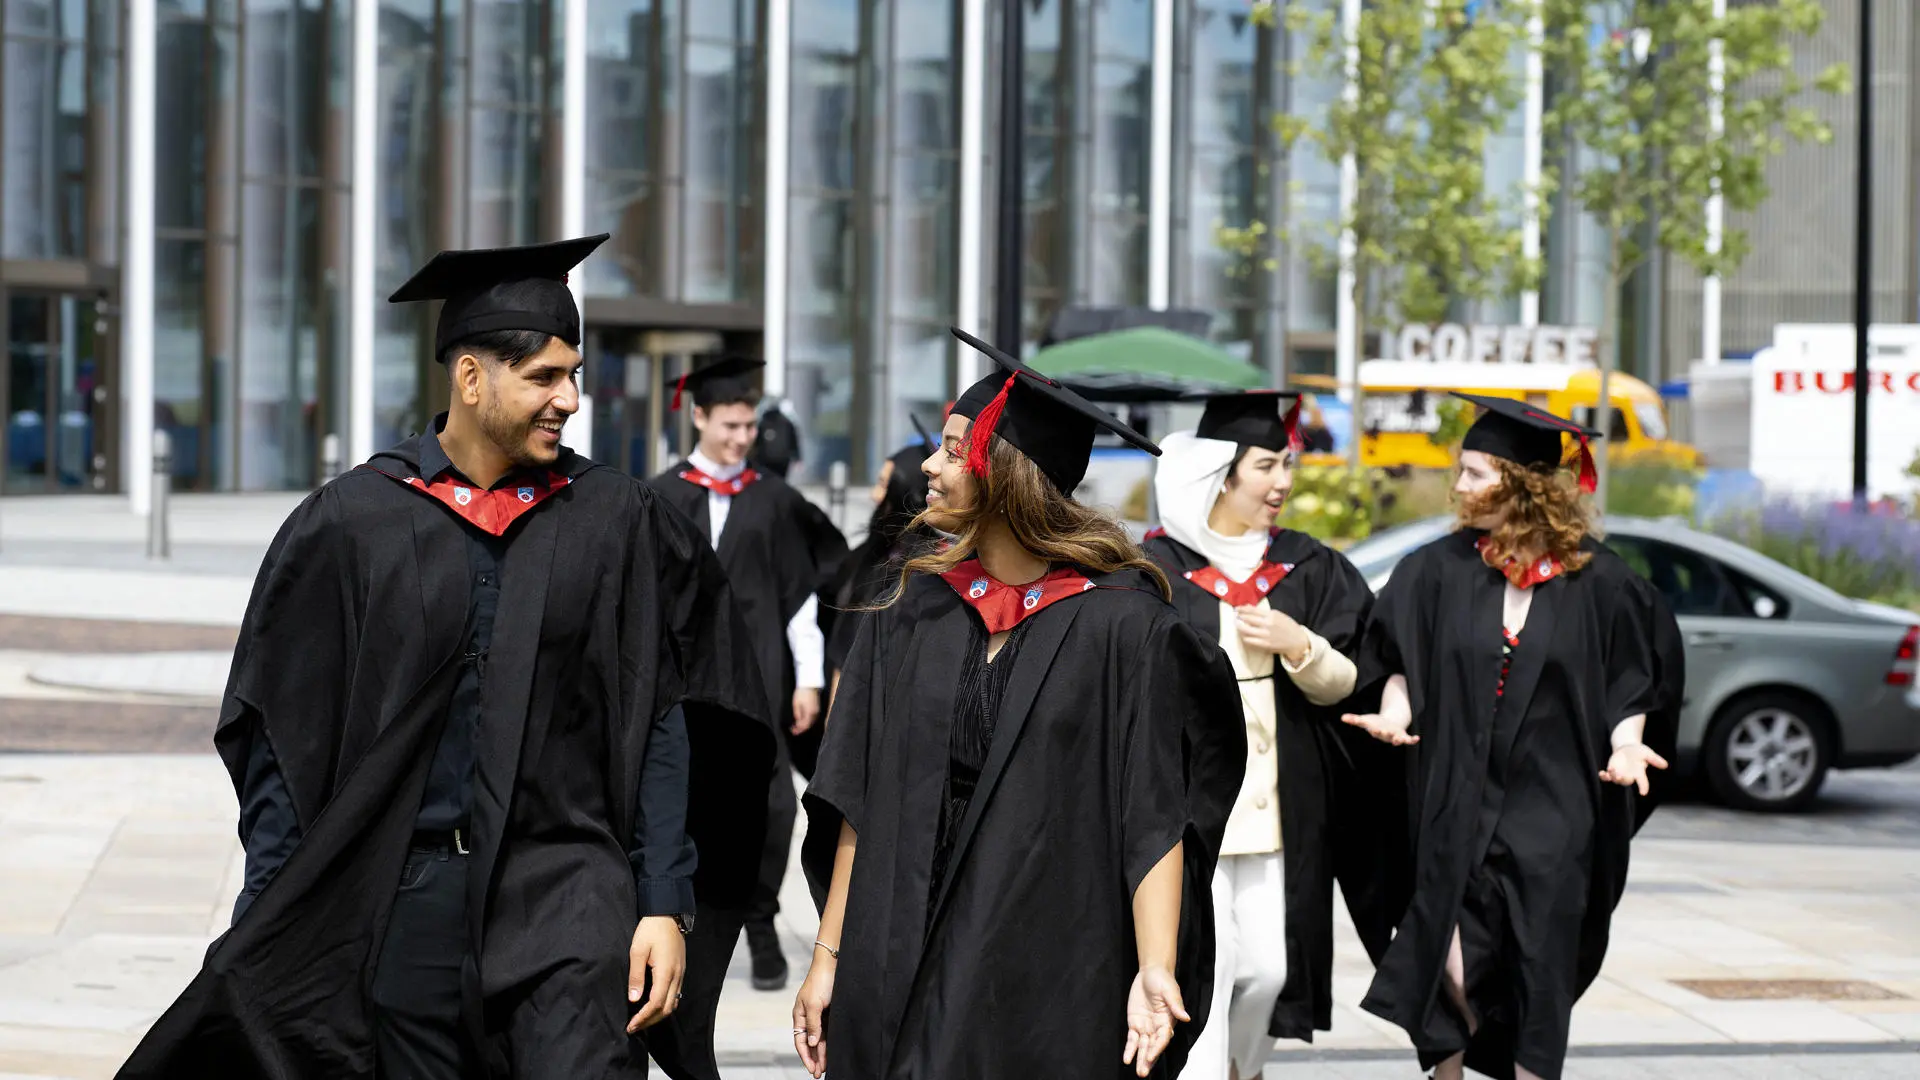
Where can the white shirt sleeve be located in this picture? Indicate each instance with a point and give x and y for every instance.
(809, 646)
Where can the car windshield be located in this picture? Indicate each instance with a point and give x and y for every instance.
(1378, 553)
(1653, 421)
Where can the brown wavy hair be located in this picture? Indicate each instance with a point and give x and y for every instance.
(1046, 523)
(1544, 515)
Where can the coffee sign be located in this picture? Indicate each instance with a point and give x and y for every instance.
(1453, 343)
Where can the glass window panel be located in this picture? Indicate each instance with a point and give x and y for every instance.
(923, 90)
(43, 151)
(825, 107)
(720, 128)
(179, 295)
(725, 20)
(1123, 28)
(1122, 156)
(283, 98)
(30, 367)
(1225, 50)
(918, 355)
(620, 65)
(104, 31)
(180, 114)
(622, 204)
(506, 61)
(47, 18)
(504, 178)
(923, 228)
(826, 25)
(281, 318)
(821, 321)
(404, 241)
(1118, 259)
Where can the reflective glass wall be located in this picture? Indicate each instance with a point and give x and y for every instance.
(295, 160)
(196, 238)
(59, 77)
(405, 212)
(826, 190)
(914, 291)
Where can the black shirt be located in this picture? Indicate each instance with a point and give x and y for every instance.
(662, 855)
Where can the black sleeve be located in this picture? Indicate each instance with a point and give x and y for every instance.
(663, 856)
(269, 828)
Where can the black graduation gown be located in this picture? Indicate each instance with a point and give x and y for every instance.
(1116, 737)
(1342, 794)
(613, 612)
(1518, 840)
(777, 549)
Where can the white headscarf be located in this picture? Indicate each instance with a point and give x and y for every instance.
(1187, 479)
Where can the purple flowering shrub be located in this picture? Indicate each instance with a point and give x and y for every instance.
(1871, 556)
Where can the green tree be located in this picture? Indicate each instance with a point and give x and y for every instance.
(1428, 83)
(1635, 91)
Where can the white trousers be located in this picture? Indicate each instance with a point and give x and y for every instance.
(1249, 967)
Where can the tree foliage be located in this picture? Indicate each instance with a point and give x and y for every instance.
(1435, 80)
(1632, 93)
(1633, 90)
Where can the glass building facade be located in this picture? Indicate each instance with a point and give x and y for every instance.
(273, 357)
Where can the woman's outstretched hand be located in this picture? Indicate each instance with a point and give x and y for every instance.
(1153, 1005)
(1629, 764)
(1388, 728)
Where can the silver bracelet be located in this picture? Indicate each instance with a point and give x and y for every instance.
(831, 951)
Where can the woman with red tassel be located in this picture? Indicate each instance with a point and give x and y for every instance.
(1029, 767)
(1535, 680)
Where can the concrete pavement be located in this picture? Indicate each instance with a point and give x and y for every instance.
(119, 870)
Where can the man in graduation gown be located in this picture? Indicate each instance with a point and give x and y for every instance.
(1524, 693)
(485, 703)
(1341, 808)
(778, 550)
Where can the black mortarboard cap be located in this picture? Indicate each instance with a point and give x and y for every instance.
(1527, 435)
(1049, 423)
(1253, 418)
(515, 288)
(725, 379)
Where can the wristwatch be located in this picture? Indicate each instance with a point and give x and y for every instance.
(685, 923)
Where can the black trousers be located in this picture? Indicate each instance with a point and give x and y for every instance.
(682, 1044)
(782, 810)
(416, 982)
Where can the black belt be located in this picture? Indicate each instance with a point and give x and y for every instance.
(449, 840)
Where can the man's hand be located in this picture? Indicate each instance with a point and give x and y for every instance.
(1153, 1005)
(657, 945)
(1388, 728)
(806, 709)
(1272, 631)
(1628, 766)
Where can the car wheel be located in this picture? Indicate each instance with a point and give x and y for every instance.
(1768, 751)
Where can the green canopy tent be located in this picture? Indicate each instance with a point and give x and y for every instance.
(1145, 364)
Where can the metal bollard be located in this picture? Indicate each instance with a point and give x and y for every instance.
(329, 458)
(159, 545)
(837, 494)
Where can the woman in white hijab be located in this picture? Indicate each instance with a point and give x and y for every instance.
(1287, 610)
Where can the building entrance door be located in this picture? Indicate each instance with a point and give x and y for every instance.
(633, 373)
(56, 396)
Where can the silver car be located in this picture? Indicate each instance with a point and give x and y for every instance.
(1785, 677)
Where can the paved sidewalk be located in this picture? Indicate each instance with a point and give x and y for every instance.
(119, 869)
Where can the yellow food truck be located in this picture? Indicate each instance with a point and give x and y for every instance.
(1401, 404)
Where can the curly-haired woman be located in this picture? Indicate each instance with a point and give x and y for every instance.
(1029, 767)
(1536, 679)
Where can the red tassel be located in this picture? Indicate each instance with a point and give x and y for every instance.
(1291, 422)
(980, 436)
(1589, 476)
(678, 389)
